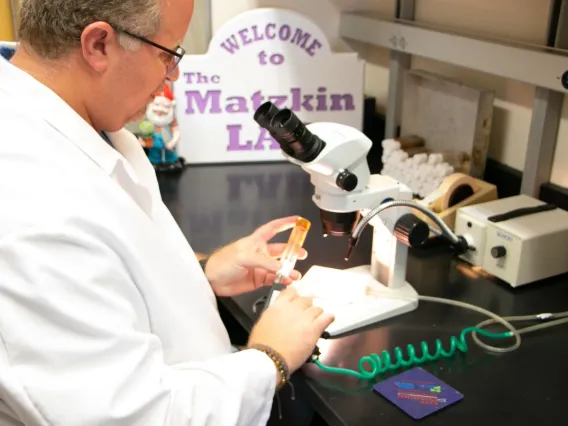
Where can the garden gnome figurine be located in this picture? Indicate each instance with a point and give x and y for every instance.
(160, 132)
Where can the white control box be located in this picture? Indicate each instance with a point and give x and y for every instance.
(518, 239)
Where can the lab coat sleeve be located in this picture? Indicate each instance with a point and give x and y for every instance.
(78, 352)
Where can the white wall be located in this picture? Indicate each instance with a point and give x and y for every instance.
(523, 20)
(197, 37)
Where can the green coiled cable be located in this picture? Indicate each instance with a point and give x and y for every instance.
(383, 363)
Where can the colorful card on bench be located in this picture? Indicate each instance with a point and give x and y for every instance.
(418, 393)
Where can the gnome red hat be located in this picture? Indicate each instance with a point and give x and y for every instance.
(167, 94)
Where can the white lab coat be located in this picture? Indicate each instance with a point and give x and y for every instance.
(106, 317)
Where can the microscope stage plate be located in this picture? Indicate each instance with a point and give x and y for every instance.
(355, 297)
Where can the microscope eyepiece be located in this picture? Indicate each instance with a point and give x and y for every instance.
(264, 114)
(290, 133)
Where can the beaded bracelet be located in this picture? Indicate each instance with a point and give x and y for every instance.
(278, 361)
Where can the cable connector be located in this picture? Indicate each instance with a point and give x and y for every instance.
(461, 246)
(315, 355)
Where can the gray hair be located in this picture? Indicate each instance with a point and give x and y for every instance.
(52, 28)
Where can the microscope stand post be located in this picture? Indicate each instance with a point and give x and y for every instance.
(354, 290)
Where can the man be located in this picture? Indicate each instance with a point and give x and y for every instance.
(160, 132)
(106, 316)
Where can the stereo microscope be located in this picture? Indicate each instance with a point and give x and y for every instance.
(349, 198)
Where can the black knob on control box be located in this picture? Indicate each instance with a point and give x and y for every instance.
(498, 251)
(411, 231)
(347, 181)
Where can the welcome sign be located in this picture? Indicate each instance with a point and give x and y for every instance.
(262, 55)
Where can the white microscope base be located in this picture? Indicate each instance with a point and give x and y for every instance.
(353, 296)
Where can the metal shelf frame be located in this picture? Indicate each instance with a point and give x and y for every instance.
(545, 67)
(15, 8)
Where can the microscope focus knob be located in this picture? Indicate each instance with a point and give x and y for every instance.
(411, 231)
(347, 181)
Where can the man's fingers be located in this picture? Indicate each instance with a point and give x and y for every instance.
(267, 279)
(268, 231)
(295, 275)
(289, 293)
(260, 260)
(324, 320)
(276, 250)
(306, 302)
(315, 311)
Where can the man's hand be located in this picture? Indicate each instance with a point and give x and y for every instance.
(250, 262)
(291, 326)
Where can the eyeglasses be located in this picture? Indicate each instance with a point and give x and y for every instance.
(175, 55)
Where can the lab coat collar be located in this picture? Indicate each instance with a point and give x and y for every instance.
(23, 89)
(122, 161)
